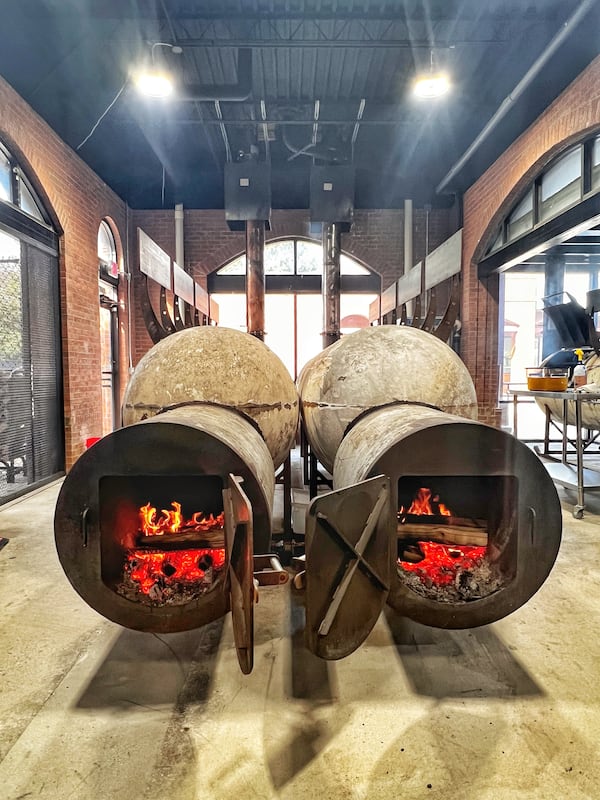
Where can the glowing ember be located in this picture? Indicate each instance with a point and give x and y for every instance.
(173, 521)
(154, 572)
(442, 563)
(422, 504)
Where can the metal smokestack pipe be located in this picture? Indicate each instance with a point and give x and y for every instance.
(331, 283)
(255, 278)
(408, 235)
(179, 252)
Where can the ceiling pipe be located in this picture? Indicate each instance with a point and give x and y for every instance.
(510, 99)
(237, 92)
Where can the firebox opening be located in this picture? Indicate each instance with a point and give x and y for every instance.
(457, 535)
(162, 537)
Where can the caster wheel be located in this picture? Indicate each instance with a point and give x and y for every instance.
(578, 512)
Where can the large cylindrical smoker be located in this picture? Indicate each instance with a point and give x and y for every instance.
(475, 521)
(156, 523)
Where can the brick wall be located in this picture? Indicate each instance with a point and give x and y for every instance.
(573, 115)
(77, 200)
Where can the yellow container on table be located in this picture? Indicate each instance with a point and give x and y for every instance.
(540, 379)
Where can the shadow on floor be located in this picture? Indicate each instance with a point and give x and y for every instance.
(462, 663)
(151, 670)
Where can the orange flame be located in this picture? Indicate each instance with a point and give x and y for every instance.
(422, 504)
(173, 521)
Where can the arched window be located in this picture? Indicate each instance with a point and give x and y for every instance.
(566, 181)
(107, 253)
(16, 189)
(293, 305)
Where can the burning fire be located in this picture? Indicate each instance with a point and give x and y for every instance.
(437, 562)
(442, 562)
(173, 521)
(422, 505)
(169, 575)
(154, 571)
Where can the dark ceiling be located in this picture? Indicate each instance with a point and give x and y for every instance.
(295, 82)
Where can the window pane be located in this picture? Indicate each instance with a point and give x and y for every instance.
(5, 190)
(107, 250)
(11, 310)
(28, 203)
(577, 284)
(310, 258)
(523, 324)
(310, 326)
(521, 219)
(232, 310)
(561, 184)
(596, 163)
(279, 325)
(497, 242)
(348, 266)
(235, 267)
(279, 258)
(354, 311)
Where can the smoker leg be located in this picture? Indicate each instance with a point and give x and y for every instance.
(578, 510)
(312, 476)
(288, 543)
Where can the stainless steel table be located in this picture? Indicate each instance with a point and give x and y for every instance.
(561, 471)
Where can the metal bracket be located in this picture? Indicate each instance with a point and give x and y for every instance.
(268, 570)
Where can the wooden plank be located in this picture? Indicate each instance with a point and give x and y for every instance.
(409, 285)
(183, 284)
(214, 311)
(201, 300)
(388, 300)
(375, 310)
(444, 262)
(154, 262)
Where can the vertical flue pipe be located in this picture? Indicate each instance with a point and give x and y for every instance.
(255, 278)
(179, 253)
(408, 235)
(331, 283)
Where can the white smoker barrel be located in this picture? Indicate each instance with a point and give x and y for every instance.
(373, 367)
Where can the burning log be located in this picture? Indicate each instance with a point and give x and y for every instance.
(447, 530)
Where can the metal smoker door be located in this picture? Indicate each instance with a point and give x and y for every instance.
(240, 563)
(349, 536)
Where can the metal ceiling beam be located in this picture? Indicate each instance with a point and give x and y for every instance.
(273, 121)
(395, 44)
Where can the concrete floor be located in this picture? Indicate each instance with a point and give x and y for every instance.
(89, 710)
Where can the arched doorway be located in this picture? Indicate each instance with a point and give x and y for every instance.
(31, 413)
(293, 304)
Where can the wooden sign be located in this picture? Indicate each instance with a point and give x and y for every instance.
(388, 300)
(154, 262)
(374, 310)
(201, 299)
(445, 261)
(214, 311)
(183, 284)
